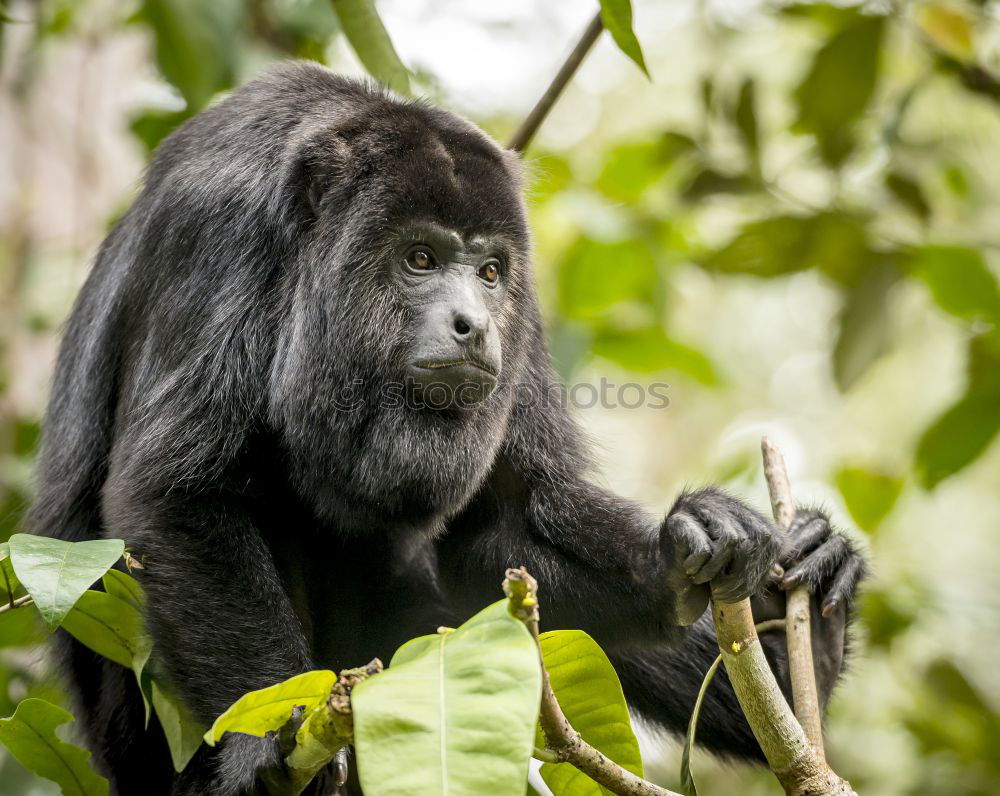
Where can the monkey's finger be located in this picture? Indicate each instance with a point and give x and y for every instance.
(722, 555)
(841, 591)
(803, 540)
(691, 540)
(725, 546)
(819, 565)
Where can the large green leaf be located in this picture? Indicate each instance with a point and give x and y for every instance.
(834, 242)
(367, 35)
(863, 335)
(963, 432)
(868, 494)
(595, 275)
(632, 167)
(454, 713)
(30, 736)
(589, 693)
(650, 350)
(266, 710)
(960, 281)
(56, 573)
(110, 626)
(195, 45)
(184, 734)
(958, 437)
(617, 18)
(839, 85)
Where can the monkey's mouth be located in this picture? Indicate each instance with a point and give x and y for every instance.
(457, 363)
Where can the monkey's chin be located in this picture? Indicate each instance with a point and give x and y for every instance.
(454, 384)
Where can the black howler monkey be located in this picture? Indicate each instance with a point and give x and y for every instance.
(244, 393)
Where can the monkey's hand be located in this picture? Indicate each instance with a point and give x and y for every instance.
(712, 544)
(817, 556)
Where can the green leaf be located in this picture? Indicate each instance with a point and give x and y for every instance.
(195, 45)
(8, 580)
(184, 734)
(838, 87)
(153, 126)
(617, 18)
(708, 181)
(960, 281)
(909, 193)
(960, 435)
(688, 786)
(949, 28)
(745, 119)
(56, 573)
(863, 335)
(888, 614)
(21, 627)
(833, 242)
(589, 693)
(631, 168)
(367, 35)
(868, 494)
(650, 350)
(30, 737)
(453, 713)
(124, 587)
(110, 626)
(266, 710)
(595, 275)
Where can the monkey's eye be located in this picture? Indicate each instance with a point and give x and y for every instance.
(489, 272)
(421, 260)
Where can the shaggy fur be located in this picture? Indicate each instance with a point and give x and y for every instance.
(199, 412)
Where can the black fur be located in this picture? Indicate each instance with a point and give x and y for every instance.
(199, 412)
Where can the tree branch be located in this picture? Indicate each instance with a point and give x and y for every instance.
(792, 758)
(534, 120)
(560, 737)
(805, 697)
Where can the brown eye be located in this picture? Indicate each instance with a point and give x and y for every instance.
(420, 260)
(490, 272)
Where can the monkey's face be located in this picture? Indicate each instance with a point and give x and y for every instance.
(455, 286)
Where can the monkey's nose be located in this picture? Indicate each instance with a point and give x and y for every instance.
(469, 326)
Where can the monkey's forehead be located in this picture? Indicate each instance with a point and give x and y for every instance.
(427, 162)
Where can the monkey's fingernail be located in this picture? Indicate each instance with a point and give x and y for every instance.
(829, 606)
(341, 770)
(790, 582)
(777, 571)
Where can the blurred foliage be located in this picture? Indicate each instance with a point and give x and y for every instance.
(838, 161)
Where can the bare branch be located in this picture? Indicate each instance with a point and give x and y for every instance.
(15, 603)
(561, 739)
(537, 115)
(791, 756)
(805, 696)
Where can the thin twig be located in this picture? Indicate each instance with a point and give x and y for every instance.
(805, 696)
(537, 115)
(560, 737)
(15, 603)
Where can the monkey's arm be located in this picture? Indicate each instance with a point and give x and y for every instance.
(221, 622)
